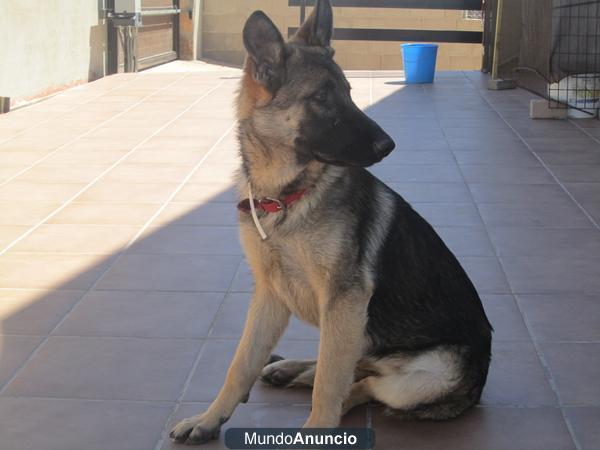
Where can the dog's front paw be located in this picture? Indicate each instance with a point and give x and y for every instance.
(195, 430)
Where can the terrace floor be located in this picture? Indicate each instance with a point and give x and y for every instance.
(123, 288)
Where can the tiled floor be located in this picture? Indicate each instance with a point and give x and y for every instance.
(123, 288)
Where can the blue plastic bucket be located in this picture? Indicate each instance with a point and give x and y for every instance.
(419, 62)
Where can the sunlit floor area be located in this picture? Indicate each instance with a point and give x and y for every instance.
(123, 287)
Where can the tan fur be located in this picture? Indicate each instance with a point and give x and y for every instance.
(251, 94)
(272, 168)
(343, 321)
(296, 268)
(289, 276)
(293, 271)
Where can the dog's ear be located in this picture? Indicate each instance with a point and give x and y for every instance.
(318, 28)
(266, 49)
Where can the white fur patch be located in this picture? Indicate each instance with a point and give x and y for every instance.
(406, 382)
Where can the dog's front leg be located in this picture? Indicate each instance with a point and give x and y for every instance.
(342, 344)
(265, 323)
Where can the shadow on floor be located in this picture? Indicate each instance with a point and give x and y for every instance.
(149, 331)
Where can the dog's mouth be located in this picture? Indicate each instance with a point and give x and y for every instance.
(345, 163)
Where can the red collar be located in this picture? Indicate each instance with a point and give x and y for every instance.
(269, 204)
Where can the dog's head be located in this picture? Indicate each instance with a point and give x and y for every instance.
(297, 95)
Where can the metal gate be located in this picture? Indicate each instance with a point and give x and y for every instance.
(407, 35)
(157, 39)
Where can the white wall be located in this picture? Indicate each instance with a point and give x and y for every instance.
(49, 44)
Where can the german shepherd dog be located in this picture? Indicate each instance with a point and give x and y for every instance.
(400, 322)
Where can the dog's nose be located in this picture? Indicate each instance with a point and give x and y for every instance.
(383, 146)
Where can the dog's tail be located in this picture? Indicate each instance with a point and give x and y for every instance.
(465, 395)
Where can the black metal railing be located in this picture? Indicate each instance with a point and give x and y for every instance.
(405, 35)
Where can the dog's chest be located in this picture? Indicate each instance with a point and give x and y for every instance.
(291, 268)
(294, 278)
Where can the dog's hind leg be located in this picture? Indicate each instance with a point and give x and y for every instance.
(290, 373)
(301, 372)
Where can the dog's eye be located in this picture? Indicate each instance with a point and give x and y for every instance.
(321, 96)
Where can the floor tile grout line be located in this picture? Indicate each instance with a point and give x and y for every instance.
(63, 113)
(206, 337)
(584, 130)
(180, 186)
(548, 373)
(540, 356)
(544, 165)
(124, 248)
(232, 338)
(105, 171)
(151, 402)
(86, 133)
(485, 227)
(87, 399)
(276, 403)
(117, 257)
(119, 225)
(188, 381)
(242, 291)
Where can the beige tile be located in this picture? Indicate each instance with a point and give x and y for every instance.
(17, 213)
(8, 133)
(28, 191)
(58, 133)
(11, 158)
(105, 213)
(190, 130)
(50, 141)
(170, 143)
(215, 174)
(58, 238)
(8, 233)
(7, 172)
(39, 271)
(64, 173)
(166, 155)
(29, 145)
(224, 157)
(74, 157)
(86, 144)
(130, 136)
(124, 192)
(145, 173)
(202, 193)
